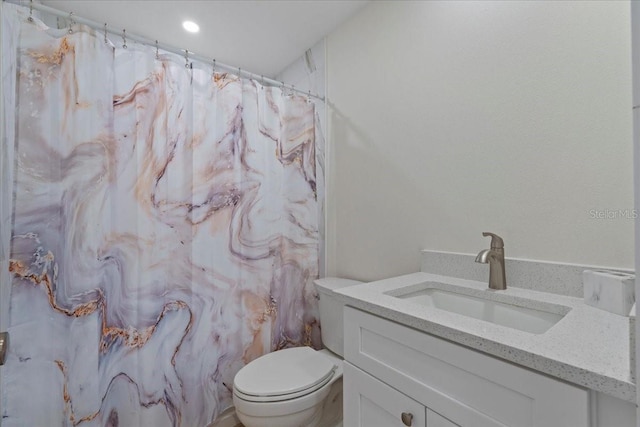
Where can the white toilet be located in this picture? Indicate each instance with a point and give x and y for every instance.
(287, 388)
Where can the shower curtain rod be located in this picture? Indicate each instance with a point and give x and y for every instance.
(168, 48)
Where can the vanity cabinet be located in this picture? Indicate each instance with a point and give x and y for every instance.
(373, 403)
(391, 369)
(436, 420)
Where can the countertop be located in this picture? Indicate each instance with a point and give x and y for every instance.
(588, 347)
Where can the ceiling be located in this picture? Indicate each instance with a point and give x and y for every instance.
(263, 37)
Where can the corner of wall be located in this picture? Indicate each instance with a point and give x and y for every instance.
(635, 75)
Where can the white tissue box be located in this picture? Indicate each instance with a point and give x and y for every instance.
(609, 290)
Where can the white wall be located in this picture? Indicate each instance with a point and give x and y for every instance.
(452, 118)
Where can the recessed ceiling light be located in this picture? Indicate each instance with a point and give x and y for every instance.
(191, 26)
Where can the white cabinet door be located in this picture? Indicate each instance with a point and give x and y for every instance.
(369, 402)
(437, 420)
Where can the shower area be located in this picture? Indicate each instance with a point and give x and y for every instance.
(161, 222)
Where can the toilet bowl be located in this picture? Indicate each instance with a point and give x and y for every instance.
(288, 388)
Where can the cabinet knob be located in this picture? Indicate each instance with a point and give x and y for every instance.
(407, 418)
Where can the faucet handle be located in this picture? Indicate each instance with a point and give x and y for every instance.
(496, 241)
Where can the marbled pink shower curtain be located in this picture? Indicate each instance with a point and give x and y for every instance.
(164, 233)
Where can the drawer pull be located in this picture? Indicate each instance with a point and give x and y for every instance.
(407, 418)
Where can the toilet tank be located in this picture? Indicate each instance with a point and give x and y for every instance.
(331, 323)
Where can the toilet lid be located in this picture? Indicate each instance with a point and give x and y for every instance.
(284, 372)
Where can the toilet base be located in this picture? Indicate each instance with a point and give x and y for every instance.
(307, 418)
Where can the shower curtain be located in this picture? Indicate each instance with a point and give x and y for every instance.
(162, 231)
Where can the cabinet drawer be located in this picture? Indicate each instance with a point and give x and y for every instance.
(370, 403)
(467, 387)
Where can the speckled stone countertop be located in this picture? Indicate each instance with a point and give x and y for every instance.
(588, 347)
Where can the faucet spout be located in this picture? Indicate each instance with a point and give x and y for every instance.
(495, 258)
(483, 256)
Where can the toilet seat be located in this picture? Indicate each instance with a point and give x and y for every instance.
(284, 375)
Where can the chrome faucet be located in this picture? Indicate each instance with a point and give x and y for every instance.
(495, 258)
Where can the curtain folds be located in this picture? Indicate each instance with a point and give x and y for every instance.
(164, 230)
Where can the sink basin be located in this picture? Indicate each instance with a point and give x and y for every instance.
(519, 317)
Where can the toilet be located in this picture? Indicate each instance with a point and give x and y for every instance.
(288, 388)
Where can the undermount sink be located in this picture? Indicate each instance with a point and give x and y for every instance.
(519, 317)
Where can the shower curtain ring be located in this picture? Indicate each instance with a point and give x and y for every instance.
(213, 69)
(157, 53)
(105, 34)
(30, 18)
(186, 58)
(71, 22)
(124, 38)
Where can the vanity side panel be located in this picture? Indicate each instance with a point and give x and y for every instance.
(609, 411)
